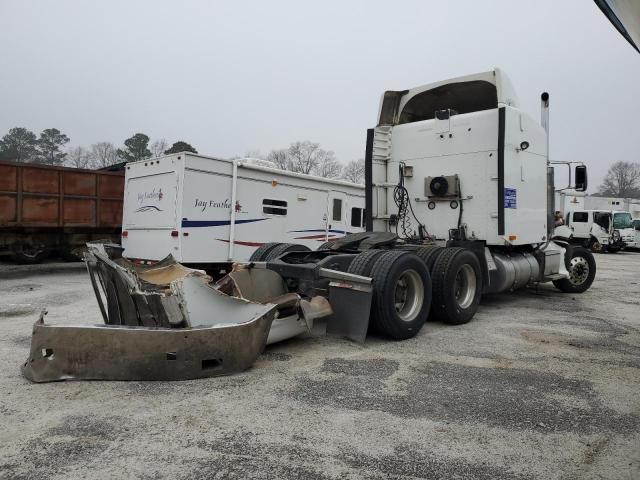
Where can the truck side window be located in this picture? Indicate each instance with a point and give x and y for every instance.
(274, 207)
(602, 219)
(356, 217)
(580, 217)
(337, 209)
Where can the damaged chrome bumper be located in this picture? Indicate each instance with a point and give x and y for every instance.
(114, 352)
(169, 322)
(163, 323)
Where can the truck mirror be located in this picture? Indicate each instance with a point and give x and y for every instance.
(581, 178)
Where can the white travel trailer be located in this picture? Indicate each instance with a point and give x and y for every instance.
(206, 210)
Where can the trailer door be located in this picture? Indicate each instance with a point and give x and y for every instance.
(150, 216)
(337, 215)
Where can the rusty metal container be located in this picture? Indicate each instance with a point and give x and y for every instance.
(44, 207)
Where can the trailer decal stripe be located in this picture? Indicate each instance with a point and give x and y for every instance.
(320, 230)
(216, 223)
(314, 237)
(239, 242)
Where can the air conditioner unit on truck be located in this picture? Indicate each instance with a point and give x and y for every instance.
(459, 203)
(600, 230)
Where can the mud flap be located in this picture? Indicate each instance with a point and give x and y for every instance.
(351, 304)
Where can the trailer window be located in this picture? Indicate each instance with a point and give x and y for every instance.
(581, 217)
(462, 97)
(337, 209)
(274, 207)
(356, 217)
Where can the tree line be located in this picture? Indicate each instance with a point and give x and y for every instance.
(622, 181)
(50, 147)
(22, 145)
(307, 157)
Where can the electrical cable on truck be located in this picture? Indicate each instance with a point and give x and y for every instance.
(403, 202)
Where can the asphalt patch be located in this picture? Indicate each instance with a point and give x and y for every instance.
(509, 398)
(76, 440)
(275, 357)
(375, 367)
(411, 461)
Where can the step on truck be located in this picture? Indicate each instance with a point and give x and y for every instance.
(459, 202)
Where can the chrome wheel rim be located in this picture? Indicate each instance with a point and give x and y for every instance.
(465, 286)
(578, 270)
(408, 295)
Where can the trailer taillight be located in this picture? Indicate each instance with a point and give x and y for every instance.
(125, 233)
(175, 233)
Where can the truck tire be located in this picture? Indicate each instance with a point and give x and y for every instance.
(582, 270)
(595, 246)
(30, 257)
(430, 254)
(284, 248)
(261, 251)
(457, 286)
(325, 246)
(401, 294)
(363, 263)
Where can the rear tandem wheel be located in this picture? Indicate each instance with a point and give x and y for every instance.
(283, 248)
(457, 285)
(401, 294)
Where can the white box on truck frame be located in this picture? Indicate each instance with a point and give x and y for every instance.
(183, 205)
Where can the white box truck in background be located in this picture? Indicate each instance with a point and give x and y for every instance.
(602, 230)
(210, 211)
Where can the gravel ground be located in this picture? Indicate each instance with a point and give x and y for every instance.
(539, 385)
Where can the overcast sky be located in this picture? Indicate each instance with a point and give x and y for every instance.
(235, 76)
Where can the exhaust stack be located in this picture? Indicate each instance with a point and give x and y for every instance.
(551, 188)
(544, 117)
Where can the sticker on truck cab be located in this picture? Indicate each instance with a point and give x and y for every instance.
(510, 198)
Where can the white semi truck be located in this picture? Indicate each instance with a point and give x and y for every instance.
(459, 202)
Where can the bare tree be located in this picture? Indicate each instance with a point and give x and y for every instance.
(158, 147)
(305, 156)
(280, 158)
(103, 154)
(327, 165)
(622, 180)
(354, 171)
(78, 157)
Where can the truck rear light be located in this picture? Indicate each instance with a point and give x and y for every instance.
(512, 238)
(125, 233)
(175, 233)
(185, 234)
